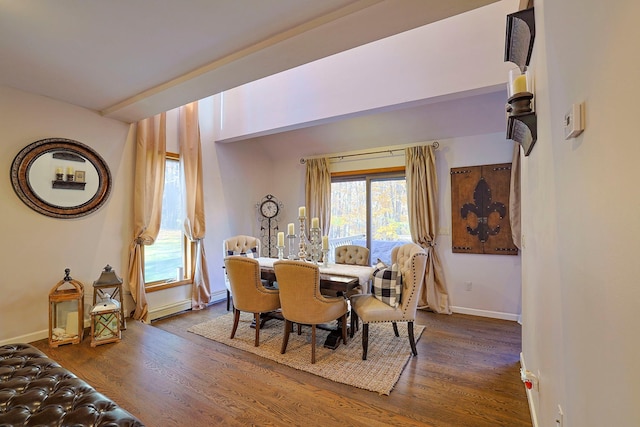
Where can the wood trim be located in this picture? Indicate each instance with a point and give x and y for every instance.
(159, 286)
(368, 171)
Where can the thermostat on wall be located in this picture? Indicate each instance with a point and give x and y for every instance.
(574, 121)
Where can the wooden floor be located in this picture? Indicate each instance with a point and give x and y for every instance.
(466, 374)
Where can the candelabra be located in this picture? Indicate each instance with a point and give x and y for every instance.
(316, 244)
(291, 238)
(325, 257)
(302, 246)
(280, 252)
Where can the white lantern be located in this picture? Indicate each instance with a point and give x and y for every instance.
(105, 322)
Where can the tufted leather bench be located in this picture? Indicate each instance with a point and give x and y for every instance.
(37, 391)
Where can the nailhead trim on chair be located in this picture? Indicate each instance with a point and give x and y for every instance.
(404, 309)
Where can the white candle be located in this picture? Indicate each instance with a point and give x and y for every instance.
(290, 229)
(315, 223)
(325, 243)
(59, 170)
(281, 238)
(72, 324)
(520, 84)
(69, 171)
(302, 211)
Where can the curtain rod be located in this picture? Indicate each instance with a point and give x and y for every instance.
(435, 146)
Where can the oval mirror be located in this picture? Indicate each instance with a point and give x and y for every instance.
(61, 178)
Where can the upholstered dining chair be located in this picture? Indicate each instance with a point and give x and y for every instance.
(353, 255)
(302, 302)
(408, 261)
(247, 246)
(249, 294)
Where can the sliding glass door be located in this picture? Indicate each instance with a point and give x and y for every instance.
(370, 210)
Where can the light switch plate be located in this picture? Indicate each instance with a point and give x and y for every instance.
(574, 121)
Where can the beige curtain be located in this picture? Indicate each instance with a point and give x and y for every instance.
(318, 192)
(514, 197)
(422, 196)
(147, 203)
(194, 222)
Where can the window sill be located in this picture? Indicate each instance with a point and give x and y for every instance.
(159, 286)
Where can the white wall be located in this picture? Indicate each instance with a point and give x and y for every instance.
(496, 279)
(37, 248)
(439, 60)
(580, 208)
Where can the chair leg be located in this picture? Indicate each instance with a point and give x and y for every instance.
(412, 341)
(236, 319)
(395, 329)
(354, 323)
(285, 340)
(228, 299)
(344, 329)
(365, 340)
(257, 317)
(313, 344)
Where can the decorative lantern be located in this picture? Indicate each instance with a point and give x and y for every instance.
(66, 311)
(109, 285)
(105, 322)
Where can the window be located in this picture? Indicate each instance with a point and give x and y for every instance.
(370, 210)
(165, 262)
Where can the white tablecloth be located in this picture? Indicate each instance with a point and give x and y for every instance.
(363, 273)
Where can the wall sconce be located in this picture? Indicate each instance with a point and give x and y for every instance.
(521, 118)
(520, 92)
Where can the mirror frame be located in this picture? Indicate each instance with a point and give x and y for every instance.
(27, 156)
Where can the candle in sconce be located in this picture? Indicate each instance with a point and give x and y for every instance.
(325, 243)
(290, 229)
(302, 211)
(281, 238)
(59, 171)
(69, 171)
(315, 223)
(520, 84)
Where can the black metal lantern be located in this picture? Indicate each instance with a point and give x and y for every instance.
(110, 285)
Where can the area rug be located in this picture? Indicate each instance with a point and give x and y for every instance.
(386, 358)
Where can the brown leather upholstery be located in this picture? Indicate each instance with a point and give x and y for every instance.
(352, 254)
(238, 244)
(412, 260)
(36, 391)
(249, 294)
(302, 302)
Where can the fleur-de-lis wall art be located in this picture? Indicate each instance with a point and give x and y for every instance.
(480, 210)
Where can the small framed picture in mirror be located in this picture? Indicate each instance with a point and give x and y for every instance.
(80, 176)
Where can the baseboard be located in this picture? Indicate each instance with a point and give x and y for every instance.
(486, 313)
(219, 296)
(37, 336)
(533, 409)
(34, 336)
(169, 309)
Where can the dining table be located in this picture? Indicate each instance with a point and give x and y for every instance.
(335, 279)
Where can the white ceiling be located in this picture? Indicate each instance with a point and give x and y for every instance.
(130, 59)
